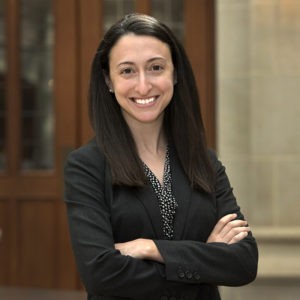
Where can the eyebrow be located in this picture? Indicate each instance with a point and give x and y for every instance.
(148, 61)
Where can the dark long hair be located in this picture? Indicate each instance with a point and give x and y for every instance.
(182, 119)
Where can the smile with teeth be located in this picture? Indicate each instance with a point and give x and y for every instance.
(144, 101)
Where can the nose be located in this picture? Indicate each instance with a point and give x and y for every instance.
(143, 84)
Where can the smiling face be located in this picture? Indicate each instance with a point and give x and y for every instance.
(141, 75)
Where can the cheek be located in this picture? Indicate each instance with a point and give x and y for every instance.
(168, 87)
(121, 87)
(165, 83)
(122, 91)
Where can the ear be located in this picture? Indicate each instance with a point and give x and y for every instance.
(108, 83)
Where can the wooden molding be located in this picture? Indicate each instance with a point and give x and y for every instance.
(199, 18)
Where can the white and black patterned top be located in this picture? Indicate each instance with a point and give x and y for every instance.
(166, 199)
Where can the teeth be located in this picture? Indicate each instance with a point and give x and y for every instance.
(144, 101)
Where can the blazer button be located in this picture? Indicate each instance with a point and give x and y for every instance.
(180, 274)
(196, 276)
(173, 298)
(164, 297)
(189, 275)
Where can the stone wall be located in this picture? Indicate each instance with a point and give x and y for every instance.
(258, 125)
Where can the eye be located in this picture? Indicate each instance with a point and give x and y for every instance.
(127, 71)
(156, 68)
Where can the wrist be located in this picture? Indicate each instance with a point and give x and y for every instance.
(149, 249)
(152, 252)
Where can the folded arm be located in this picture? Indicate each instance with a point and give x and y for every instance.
(228, 257)
(228, 230)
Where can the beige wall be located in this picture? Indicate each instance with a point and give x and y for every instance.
(258, 125)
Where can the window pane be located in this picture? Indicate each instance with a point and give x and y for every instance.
(2, 86)
(37, 41)
(171, 13)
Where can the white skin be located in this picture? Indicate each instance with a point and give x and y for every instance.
(141, 75)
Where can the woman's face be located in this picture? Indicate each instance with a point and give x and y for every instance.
(141, 74)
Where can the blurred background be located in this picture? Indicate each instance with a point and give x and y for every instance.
(245, 55)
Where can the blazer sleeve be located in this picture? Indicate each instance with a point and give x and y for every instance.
(102, 268)
(213, 263)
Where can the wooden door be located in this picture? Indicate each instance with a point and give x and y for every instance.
(38, 120)
(34, 247)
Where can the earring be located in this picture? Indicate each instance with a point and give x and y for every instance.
(111, 90)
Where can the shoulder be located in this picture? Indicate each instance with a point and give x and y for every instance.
(216, 164)
(85, 175)
(213, 157)
(89, 151)
(90, 148)
(87, 157)
(222, 183)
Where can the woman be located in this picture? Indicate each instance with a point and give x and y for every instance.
(151, 211)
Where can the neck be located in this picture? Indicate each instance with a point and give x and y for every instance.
(151, 145)
(149, 138)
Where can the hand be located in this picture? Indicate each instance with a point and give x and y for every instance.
(228, 230)
(141, 249)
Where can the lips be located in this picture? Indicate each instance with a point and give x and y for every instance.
(143, 101)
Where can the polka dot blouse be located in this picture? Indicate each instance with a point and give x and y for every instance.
(166, 199)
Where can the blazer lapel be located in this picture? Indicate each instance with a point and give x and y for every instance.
(149, 200)
(182, 193)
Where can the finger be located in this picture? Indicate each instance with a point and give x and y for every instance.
(120, 247)
(223, 222)
(238, 237)
(231, 225)
(234, 232)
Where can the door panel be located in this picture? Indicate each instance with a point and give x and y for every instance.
(36, 233)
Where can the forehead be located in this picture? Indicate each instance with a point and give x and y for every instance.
(131, 47)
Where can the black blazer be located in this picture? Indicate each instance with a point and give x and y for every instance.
(101, 214)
